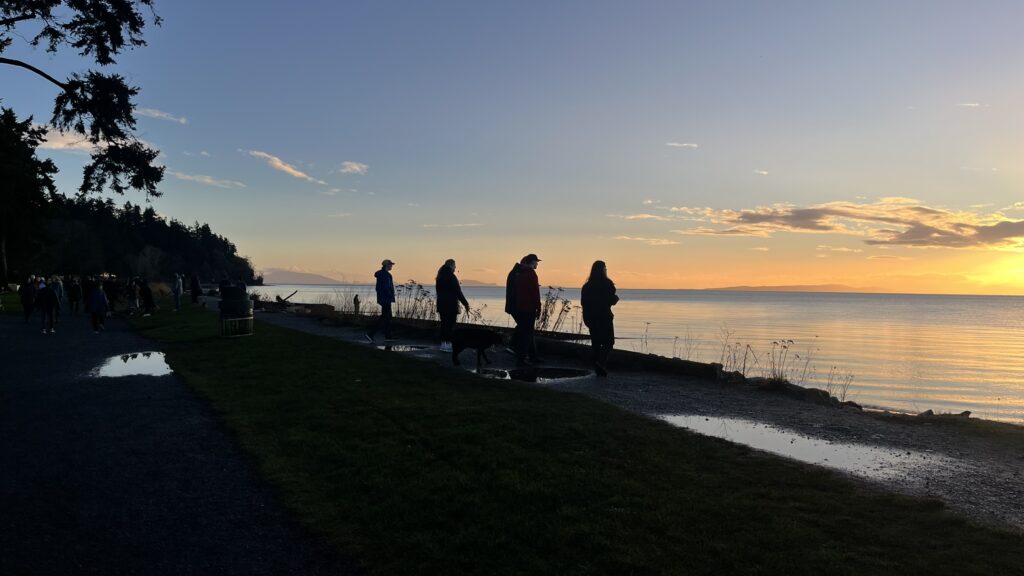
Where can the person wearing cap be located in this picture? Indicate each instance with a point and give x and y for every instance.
(385, 298)
(522, 301)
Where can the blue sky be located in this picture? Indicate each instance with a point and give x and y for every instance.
(483, 131)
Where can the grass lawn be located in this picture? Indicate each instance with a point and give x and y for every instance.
(412, 468)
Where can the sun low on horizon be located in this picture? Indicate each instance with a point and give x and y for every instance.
(869, 146)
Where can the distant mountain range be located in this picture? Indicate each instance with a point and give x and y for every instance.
(800, 288)
(282, 276)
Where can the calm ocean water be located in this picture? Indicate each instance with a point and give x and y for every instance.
(905, 352)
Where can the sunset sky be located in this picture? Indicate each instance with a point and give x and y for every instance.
(689, 144)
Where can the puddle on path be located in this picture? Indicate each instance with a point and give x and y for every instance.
(533, 374)
(876, 462)
(401, 347)
(137, 364)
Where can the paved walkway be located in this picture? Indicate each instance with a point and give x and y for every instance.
(127, 475)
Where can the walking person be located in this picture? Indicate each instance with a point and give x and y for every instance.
(385, 298)
(27, 294)
(97, 304)
(46, 301)
(146, 295)
(176, 290)
(74, 295)
(194, 288)
(58, 288)
(522, 301)
(449, 295)
(597, 298)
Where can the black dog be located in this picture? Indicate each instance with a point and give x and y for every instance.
(479, 339)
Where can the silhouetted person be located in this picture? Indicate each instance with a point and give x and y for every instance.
(597, 298)
(58, 289)
(110, 290)
(74, 295)
(194, 288)
(522, 301)
(46, 302)
(355, 304)
(385, 298)
(176, 290)
(97, 304)
(27, 294)
(146, 296)
(449, 295)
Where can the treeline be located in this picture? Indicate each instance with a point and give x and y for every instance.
(87, 236)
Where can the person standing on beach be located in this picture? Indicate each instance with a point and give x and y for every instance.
(522, 302)
(385, 298)
(597, 298)
(449, 295)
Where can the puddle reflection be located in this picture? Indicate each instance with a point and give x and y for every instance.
(534, 374)
(875, 462)
(136, 364)
(401, 348)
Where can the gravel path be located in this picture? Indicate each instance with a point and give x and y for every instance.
(981, 477)
(127, 475)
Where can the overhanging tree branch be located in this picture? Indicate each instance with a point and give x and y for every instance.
(16, 19)
(28, 66)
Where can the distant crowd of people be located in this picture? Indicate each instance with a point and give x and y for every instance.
(522, 302)
(97, 296)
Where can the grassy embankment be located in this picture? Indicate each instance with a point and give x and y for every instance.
(413, 468)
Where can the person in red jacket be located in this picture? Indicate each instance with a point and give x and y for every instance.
(522, 301)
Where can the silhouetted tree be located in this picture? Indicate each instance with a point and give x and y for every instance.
(97, 106)
(25, 181)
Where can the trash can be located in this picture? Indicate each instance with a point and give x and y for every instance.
(235, 312)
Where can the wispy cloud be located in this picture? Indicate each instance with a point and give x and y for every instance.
(761, 172)
(282, 166)
(68, 142)
(474, 225)
(655, 217)
(208, 180)
(887, 257)
(339, 215)
(354, 168)
(827, 248)
(893, 221)
(649, 202)
(972, 105)
(648, 241)
(681, 145)
(760, 249)
(161, 115)
(205, 153)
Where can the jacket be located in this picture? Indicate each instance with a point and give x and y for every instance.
(597, 299)
(385, 287)
(522, 291)
(449, 292)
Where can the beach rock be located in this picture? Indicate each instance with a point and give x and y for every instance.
(927, 413)
(851, 404)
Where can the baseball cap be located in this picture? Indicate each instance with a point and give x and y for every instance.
(530, 258)
(385, 262)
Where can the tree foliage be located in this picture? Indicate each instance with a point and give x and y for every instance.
(26, 182)
(87, 235)
(95, 105)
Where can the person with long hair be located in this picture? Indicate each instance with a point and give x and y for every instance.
(597, 298)
(449, 295)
